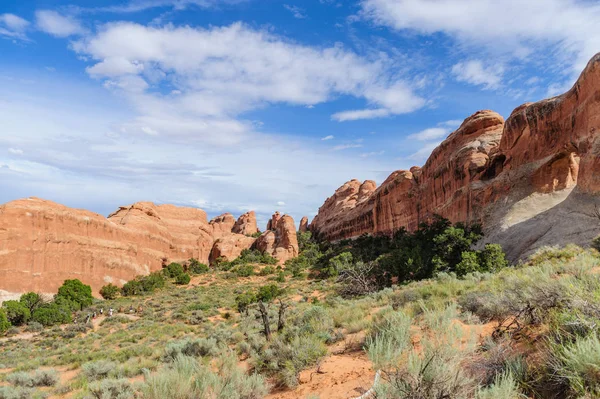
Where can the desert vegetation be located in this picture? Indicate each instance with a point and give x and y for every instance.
(430, 316)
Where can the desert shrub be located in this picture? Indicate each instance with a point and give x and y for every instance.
(316, 320)
(52, 314)
(469, 263)
(198, 347)
(265, 271)
(182, 279)
(17, 313)
(21, 393)
(244, 270)
(34, 326)
(4, 323)
(195, 380)
(173, 270)
(32, 301)
(37, 378)
(110, 389)
(144, 284)
(195, 267)
(244, 300)
(110, 291)
(356, 280)
(76, 292)
(98, 370)
(577, 364)
(492, 258)
(504, 387)
(433, 372)
(554, 254)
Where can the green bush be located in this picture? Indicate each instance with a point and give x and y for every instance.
(76, 292)
(182, 279)
(144, 284)
(52, 314)
(173, 270)
(193, 379)
(98, 370)
(31, 301)
(4, 323)
(468, 264)
(110, 389)
(245, 270)
(265, 271)
(17, 313)
(21, 393)
(38, 378)
(244, 300)
(578, 363)
(34, 326)
(110, 291)
(195, 267)
(596, 243)
(199, 347)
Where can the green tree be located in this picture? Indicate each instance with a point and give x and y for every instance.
(268, 293)
(17, 313)
(109, 291)
(244, 300)
(173, 270)
(4, 323)
(339, 263)
(32, 301)
(182, 279)
(52, 314)
(195, 267)
(76, 292)
(492, 258)
(450, 246)
(468, 264)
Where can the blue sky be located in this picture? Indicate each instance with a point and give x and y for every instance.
(233, 105)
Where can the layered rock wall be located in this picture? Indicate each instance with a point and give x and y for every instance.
(520, 179)
(42, 243)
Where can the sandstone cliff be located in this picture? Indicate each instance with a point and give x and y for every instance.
(43, 243)
(531, 181)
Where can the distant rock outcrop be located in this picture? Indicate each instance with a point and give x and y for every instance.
(42, 243)
(246, 224)
(272, 223)
(531, 181)
(303, 224)
(282, 241)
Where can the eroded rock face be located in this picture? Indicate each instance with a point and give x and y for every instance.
(230, 246)
(281, 243)
(303, 224)
(542, 162)
(246, 224)
(272, 223)
(42, 243)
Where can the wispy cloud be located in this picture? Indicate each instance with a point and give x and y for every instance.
(330, 137)
(15, 151)
(341, 147)
(296, 11)
(13, 27)
(56, 24)
(432, 133)
(371, 154)
(476, 73)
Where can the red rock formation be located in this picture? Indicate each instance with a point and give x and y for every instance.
(491, 172)
(222, 225)
(43, 243)
(230, 246)
(303, 224)
(282, 243)
(272, 223)
(246, 224)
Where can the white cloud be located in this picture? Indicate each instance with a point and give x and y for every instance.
(141, 5)
(360, 114)
(433, 133)
(297, 12)
(422, 154)
(515, 27)
(474, 72)
(345, 147)
(224, 71)
(15, 151)
(13, 26)
(330, 137)
(280, 203)
(371, 154)
(451, 123)
(57, 24)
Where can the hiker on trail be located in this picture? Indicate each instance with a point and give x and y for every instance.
(94, 315)
(101, 311)
(121, 309)
(110, 312)
(140, 309)
(131, 309)
(87, 319)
